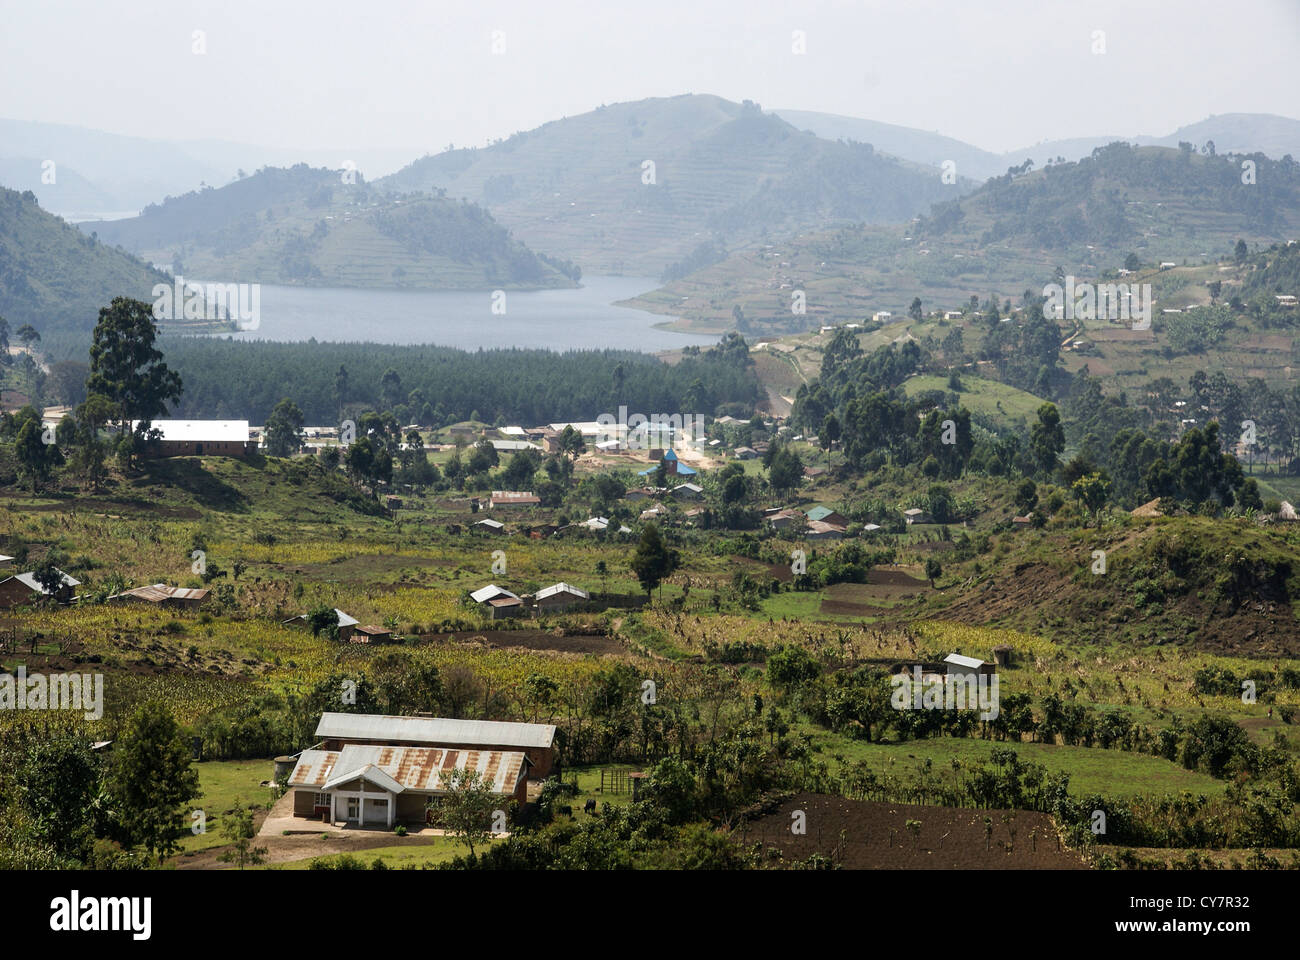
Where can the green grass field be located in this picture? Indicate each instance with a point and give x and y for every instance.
(999, 402)
(411, 855)
(1091, 769)
(222, 782)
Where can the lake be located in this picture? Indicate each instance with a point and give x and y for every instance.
(570, 319)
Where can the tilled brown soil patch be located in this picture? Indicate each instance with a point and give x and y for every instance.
(867, 835)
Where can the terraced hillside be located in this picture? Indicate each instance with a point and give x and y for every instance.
(1010, 235)
(580, 187)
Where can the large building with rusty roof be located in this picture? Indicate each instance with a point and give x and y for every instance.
(536, 740)
(376, 785)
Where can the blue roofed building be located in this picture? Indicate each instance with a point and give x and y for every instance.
(672, 466)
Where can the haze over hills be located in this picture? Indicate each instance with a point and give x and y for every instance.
(55, 277)
(1265, 133)
(638, 186)
(98, 173)
(309, 226)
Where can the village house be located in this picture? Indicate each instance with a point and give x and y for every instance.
(347, 624)
(746, 453)
(827, 515)
(787, 520)
(199, 438)
(916, 515)
(381, 770)
(160, 594)
(498, 603)
(686, 491)
(489, 526)
(512, 446)
(513, 498)
(559, 597)
(370, 633)
(23, 588)
(821, 530)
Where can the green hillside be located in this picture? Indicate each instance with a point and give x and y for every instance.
(55, 277)
(307, 226)
(1010, 235)
(576, 186)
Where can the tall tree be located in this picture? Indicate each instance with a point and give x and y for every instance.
(654, 560)
(152, 780)
(1047, 438)
(467, 806)
(284, 429)
(125, 366)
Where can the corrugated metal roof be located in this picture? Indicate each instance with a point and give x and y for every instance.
(362, 726)
(555, 588)
(200, 430)
(343, 619)
(956, 659)
(29, 579)
(490, 592)
(159, 592)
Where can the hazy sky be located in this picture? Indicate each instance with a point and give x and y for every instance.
(1000, 74)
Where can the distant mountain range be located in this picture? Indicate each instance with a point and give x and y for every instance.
(747, 203)
(1264, 133)
(311, 226)
(636, 187)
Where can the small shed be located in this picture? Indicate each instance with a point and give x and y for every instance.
(959, 665)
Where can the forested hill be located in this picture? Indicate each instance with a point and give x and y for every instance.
(225, 378)
(636, 186)
(304, 225)
(55, 277)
